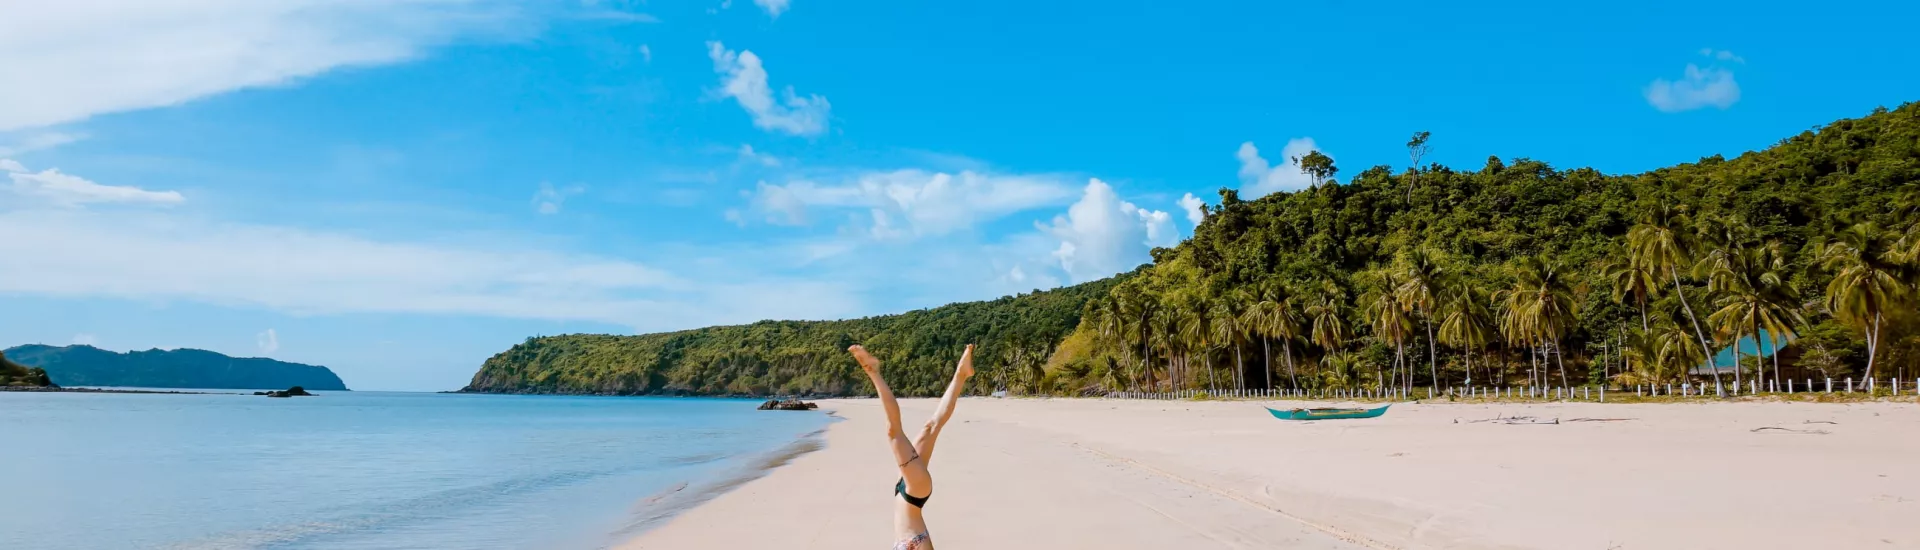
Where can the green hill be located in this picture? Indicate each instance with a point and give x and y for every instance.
(181, 368)
(1520, 272)
(15, 374)
(792, 357)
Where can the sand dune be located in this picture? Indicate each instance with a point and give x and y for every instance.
(1033, 474)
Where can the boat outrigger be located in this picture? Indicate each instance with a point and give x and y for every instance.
(1327, 414)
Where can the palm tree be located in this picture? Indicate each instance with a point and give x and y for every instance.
(1341, 370)
(1166, 323)
(1867, 282)
(1629, 278)
(1274, 317)
(1662, 246)
(1389, 320)
(1422, 273)
(1329, 314)
(1107, 315)
(1465, 322)
(1228, 329)
(1138, 311)
(1197, 328)
(1754, 296)
(1555, 310)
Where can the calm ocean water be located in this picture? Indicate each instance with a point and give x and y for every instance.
(368, 470)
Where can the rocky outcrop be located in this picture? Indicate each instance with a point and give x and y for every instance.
(295, 391)
(787, 405)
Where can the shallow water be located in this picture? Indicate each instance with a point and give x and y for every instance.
(366, 470)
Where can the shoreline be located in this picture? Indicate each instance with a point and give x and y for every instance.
(60, 389)
(1048, 473)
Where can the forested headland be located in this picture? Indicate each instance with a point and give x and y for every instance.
(15, 374)
(1420, 275)
(81, 365)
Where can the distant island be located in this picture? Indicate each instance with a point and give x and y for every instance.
(181, 368)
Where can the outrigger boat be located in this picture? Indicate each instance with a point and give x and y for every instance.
(1327, 414)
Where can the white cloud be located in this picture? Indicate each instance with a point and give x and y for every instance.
(905, 203)
(1699, 88)
(744, 79)
(1722, 55)
(90, 57)
(86, 340)
(1101, 235)
(748, 154)
(268, 341)
(646, 53)
(66, 190)
(549, 199)
(1259, 178)
(38, 141)
(773, 7)
(158, 256)
(1193, 205)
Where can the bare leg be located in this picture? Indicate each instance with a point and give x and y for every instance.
(913, 468)
(948, 401)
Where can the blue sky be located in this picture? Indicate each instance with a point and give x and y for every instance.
(400, 189)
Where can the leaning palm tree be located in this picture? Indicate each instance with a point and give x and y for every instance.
(1662, 244)
(1422, 274)
(1465, 322)
(1754, 297)
(1390, 321)
(1867, 282)
(1274, 317)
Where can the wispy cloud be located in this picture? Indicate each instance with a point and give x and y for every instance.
(1259, 178)
(37, 141)
(66, 190)
(743, 78)
(267, 341)
(162, 256)
(88, 57)
(911, 203)
(549, 199)
(749, 155)
(774, 7)
(1699, 87)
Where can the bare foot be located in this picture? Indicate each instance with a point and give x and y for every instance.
(867, 361)
(966, 363)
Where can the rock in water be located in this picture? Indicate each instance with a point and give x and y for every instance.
(295, 391)
(787, 405)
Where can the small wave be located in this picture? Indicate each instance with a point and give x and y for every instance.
(656, 509)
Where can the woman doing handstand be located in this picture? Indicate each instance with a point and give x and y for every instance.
(913, 456)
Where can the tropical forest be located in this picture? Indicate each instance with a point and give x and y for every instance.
(1798, 261)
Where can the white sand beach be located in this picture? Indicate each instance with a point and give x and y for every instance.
(1016, 474)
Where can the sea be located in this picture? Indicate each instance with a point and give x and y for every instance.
(371, 470)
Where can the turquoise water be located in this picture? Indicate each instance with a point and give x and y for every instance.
(367, 470)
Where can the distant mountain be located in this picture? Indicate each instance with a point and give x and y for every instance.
(15, 374)
(181, 368)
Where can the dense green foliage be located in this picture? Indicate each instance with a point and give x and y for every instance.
(181, 368)
(797, 357)
(15, 374)
(1522, 273)
(1513, 273)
